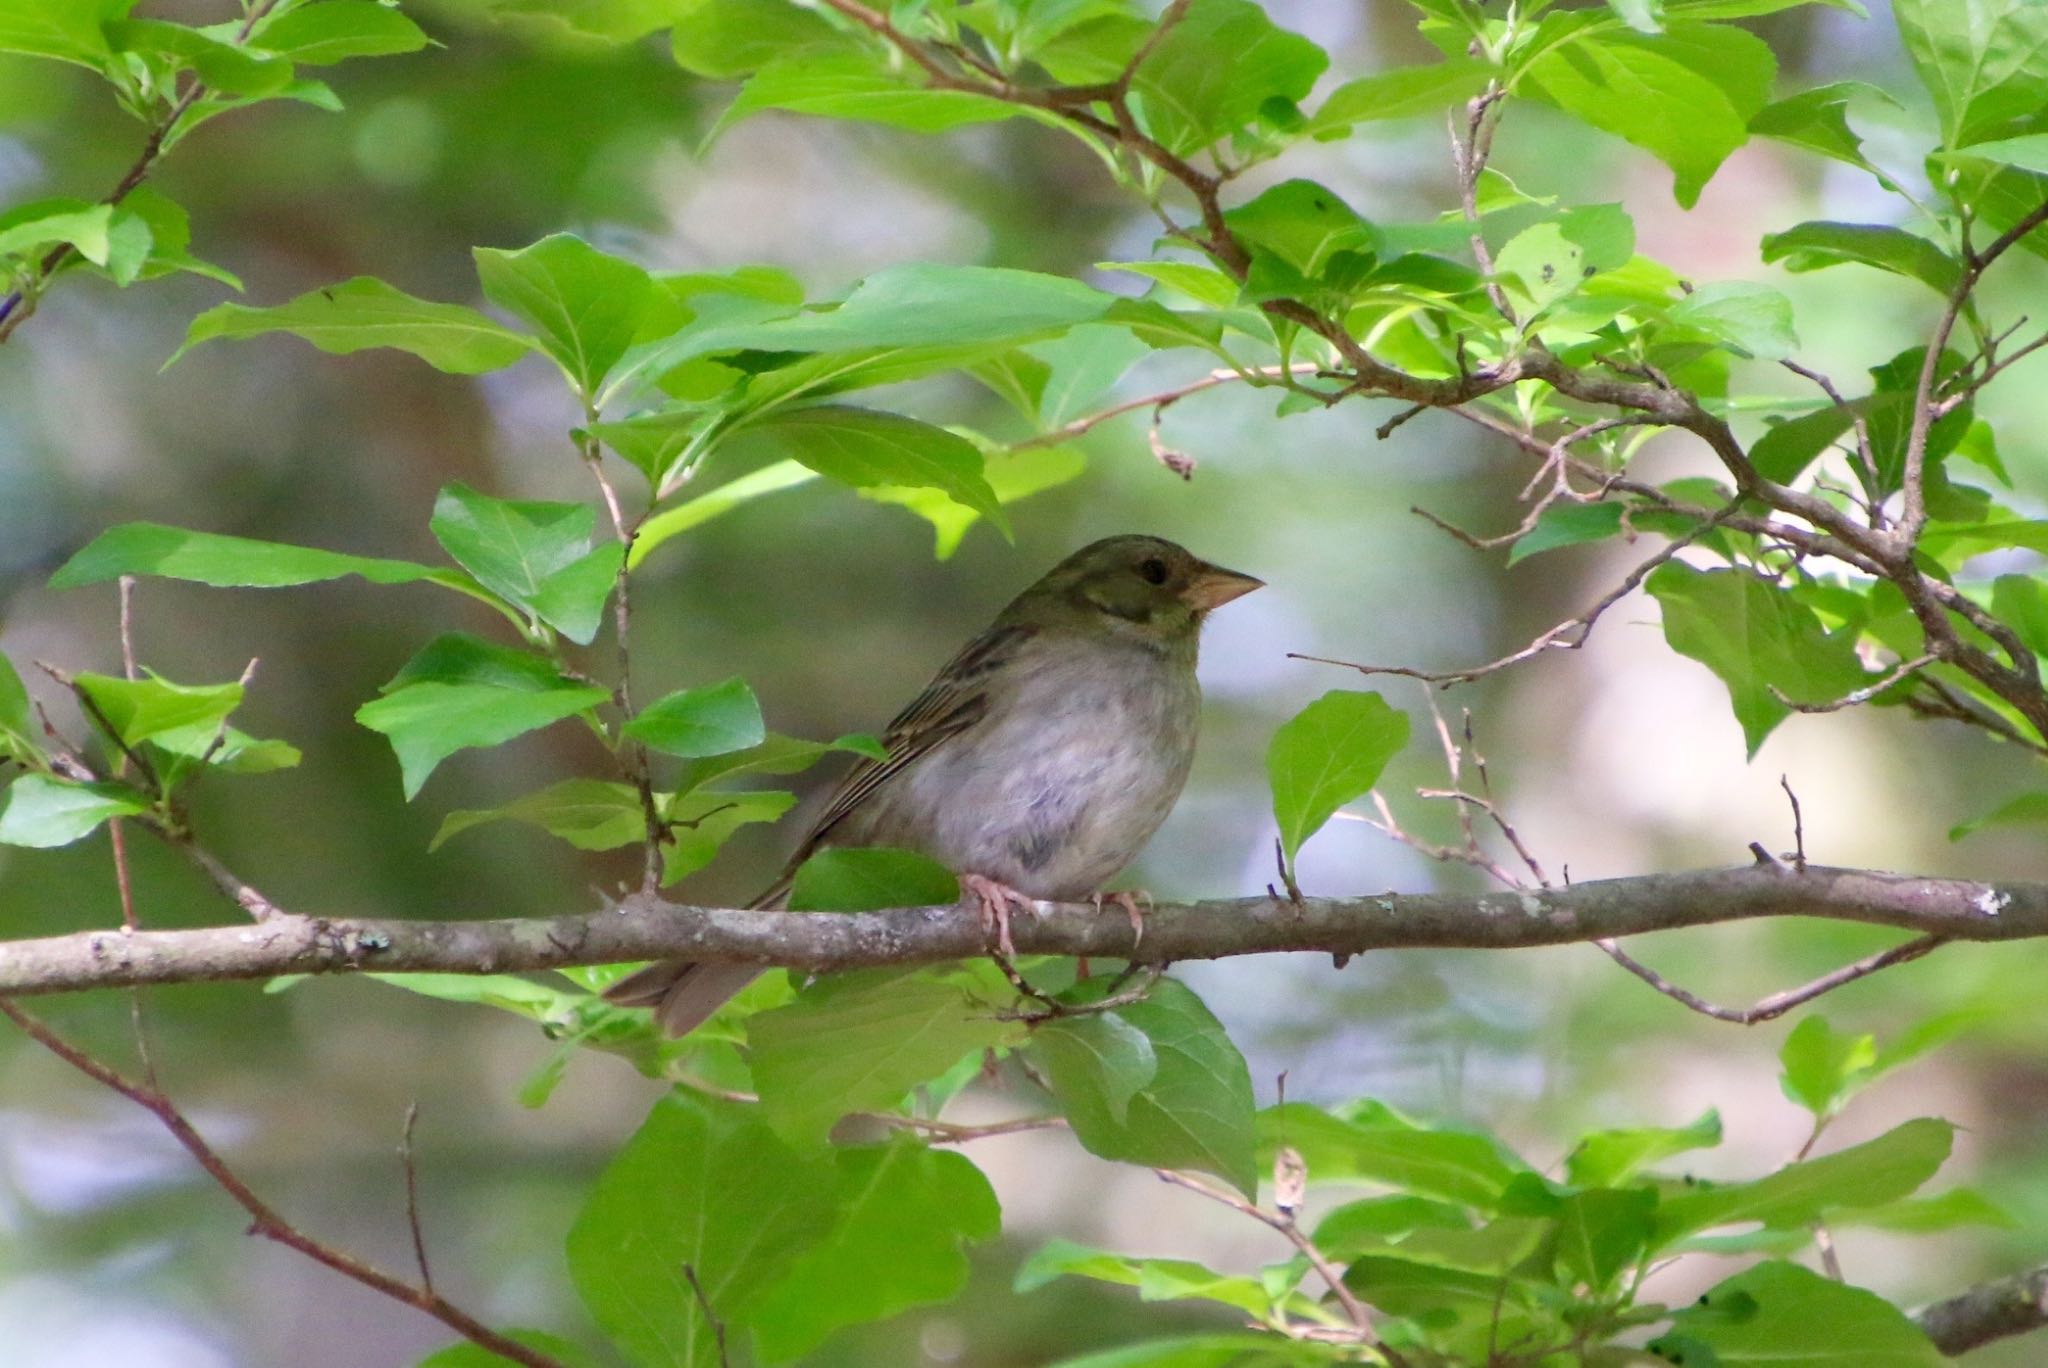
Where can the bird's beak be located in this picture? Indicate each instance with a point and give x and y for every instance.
(1213, 586)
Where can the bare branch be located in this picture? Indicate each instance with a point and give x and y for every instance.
(647, 927)
(2011, 1306)
(1354, 1309)
(1568, 635)
(704, 1305)
(263, 1219)
(1776, 1005)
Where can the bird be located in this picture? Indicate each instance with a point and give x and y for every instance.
(1034, 766)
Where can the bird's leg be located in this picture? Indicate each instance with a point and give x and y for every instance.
(996, 900)
(1128, 900)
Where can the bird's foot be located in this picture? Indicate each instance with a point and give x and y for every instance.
(1128, 900)
(996, 900)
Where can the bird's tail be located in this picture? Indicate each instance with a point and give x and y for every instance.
(684, 994)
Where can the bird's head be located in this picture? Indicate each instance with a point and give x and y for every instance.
(1135, 586)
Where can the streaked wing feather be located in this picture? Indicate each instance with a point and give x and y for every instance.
(952, 702)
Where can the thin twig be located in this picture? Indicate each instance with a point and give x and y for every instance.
(1568, 635)
(263, 1220)
(1904, 670)
(1354, 1309)
(1776, 1005)
(412, 1196)
(1798, 825)
(704, 1304)
(20, 303)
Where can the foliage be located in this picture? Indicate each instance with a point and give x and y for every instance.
(790, 1185)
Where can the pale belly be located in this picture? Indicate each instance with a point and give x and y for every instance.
(1056, 789)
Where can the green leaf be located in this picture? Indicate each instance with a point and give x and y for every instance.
(1818, 120)
(776, 755)
(869, 878)
(2028, 152)
(770, 479)
(336, 30)
(1611, 1158)
(573, 598)
(1401, 93)
(1767, 1317)
(586, 305)
(1216, 69)
(1243, 1350)
(652, 441)
(1568, 524)
(1985, 62)
(1870, 1174)
(865, 448)
(68, 30)
(1550, 261)
(137, 710)
(40, 811)
(590, 814)
(1754, 319)
(1310, 231)
(856, 86)
(725, 39)
(1441, 1297)
(237, 751)
(1601, 1232)
(905, 1213)
(714, 720)
(1383, 1148)
(1196, 1110)
(16, 736)
(1372, 1223)
(861, 1042)
(1824, 1069)
(221, 561)
(1101, 1058)
(1818, 244)
(703, 1184)
(1685, 96)
(363, 313)
(1155, 1279)
(47, 223)
(1082, 365)
(170, 233)
(924, 303)
(227, 68)
(1944, 1211)
(2028, 809)
(512, 546)
(705, 820)
(1757, 638)
(1326, 755)
(459, 693)
(1013, 475)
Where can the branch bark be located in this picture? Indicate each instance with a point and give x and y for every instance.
(1996, 1310)
(647, 927)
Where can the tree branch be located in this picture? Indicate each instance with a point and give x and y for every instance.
(2010, 1306)
(263, 1218)
(647, 927)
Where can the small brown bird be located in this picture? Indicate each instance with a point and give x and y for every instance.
(1037, 763)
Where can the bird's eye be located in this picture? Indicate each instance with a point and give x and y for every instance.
(1153, 569)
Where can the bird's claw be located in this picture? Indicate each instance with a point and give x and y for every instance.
(995, 900)
(1128, 900)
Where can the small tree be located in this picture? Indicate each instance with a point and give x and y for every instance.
(1832, 563)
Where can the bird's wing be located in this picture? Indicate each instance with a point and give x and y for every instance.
(952, 702)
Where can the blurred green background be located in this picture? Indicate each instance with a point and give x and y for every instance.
(1619, 759)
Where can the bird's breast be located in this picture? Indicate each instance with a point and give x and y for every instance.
(1080, 756)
